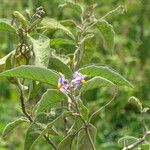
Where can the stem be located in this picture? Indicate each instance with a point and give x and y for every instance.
(22, 100)
(107, 14)
(103, 107)
(141, 140)
(84, 122)
(79, 51)
(64, 120)
(112, 11)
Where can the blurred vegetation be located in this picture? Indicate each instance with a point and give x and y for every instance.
(131, 58)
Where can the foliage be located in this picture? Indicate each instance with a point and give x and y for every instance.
(57, 67)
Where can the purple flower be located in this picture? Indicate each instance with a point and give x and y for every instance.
(63, 84)
(78, 80)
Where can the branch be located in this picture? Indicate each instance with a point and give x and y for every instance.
(22, 100)
(137, 143)
(84, 122)
(107, 14)
(112, 11)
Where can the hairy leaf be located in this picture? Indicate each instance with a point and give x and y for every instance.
(58, 65)
(88, 51)
(42, 124)
(83, 139)
(107, 73)
(48, 23)
(41, 50)
(60, 41)
(84, 110)
(34, 73)
(66, 143)
(4, 59)
(21, 19)
(73, 5)
(96, 82)
(108, 34)
(5, 25)
(9, 127)
(49, 99)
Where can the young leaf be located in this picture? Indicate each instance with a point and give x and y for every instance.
(40, 126)
(49, 99)
(13, 125)
(41, 51)
(83, 139)
(34, 73)
(105, 72)
(60, 41)
(66, 143)
(108, 34)
(96, 82)
(48, 23)
(21, 19)
(60, 66)
(5, 25)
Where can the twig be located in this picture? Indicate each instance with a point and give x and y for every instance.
(141, 140)
(22, 101)
(79, 50)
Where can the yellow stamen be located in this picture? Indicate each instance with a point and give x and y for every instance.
(83, 81)
(59, 86)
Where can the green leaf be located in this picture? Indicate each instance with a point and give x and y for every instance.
(21, 19)
(4, 59)
(9, 127)
(49, 99)
(59, 41)
(137, 102)
(59, 66)
(5, 25)
(96, 82)
(66, 143)
(83, 139)
(41, 50)
(105, 72)
(108, 34)
(48, 23)
(88, 51)
(73, 5)
(34, 73)
(34, 90)
(42, 124)
(84, 111)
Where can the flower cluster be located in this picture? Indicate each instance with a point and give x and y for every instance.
(76, 83)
